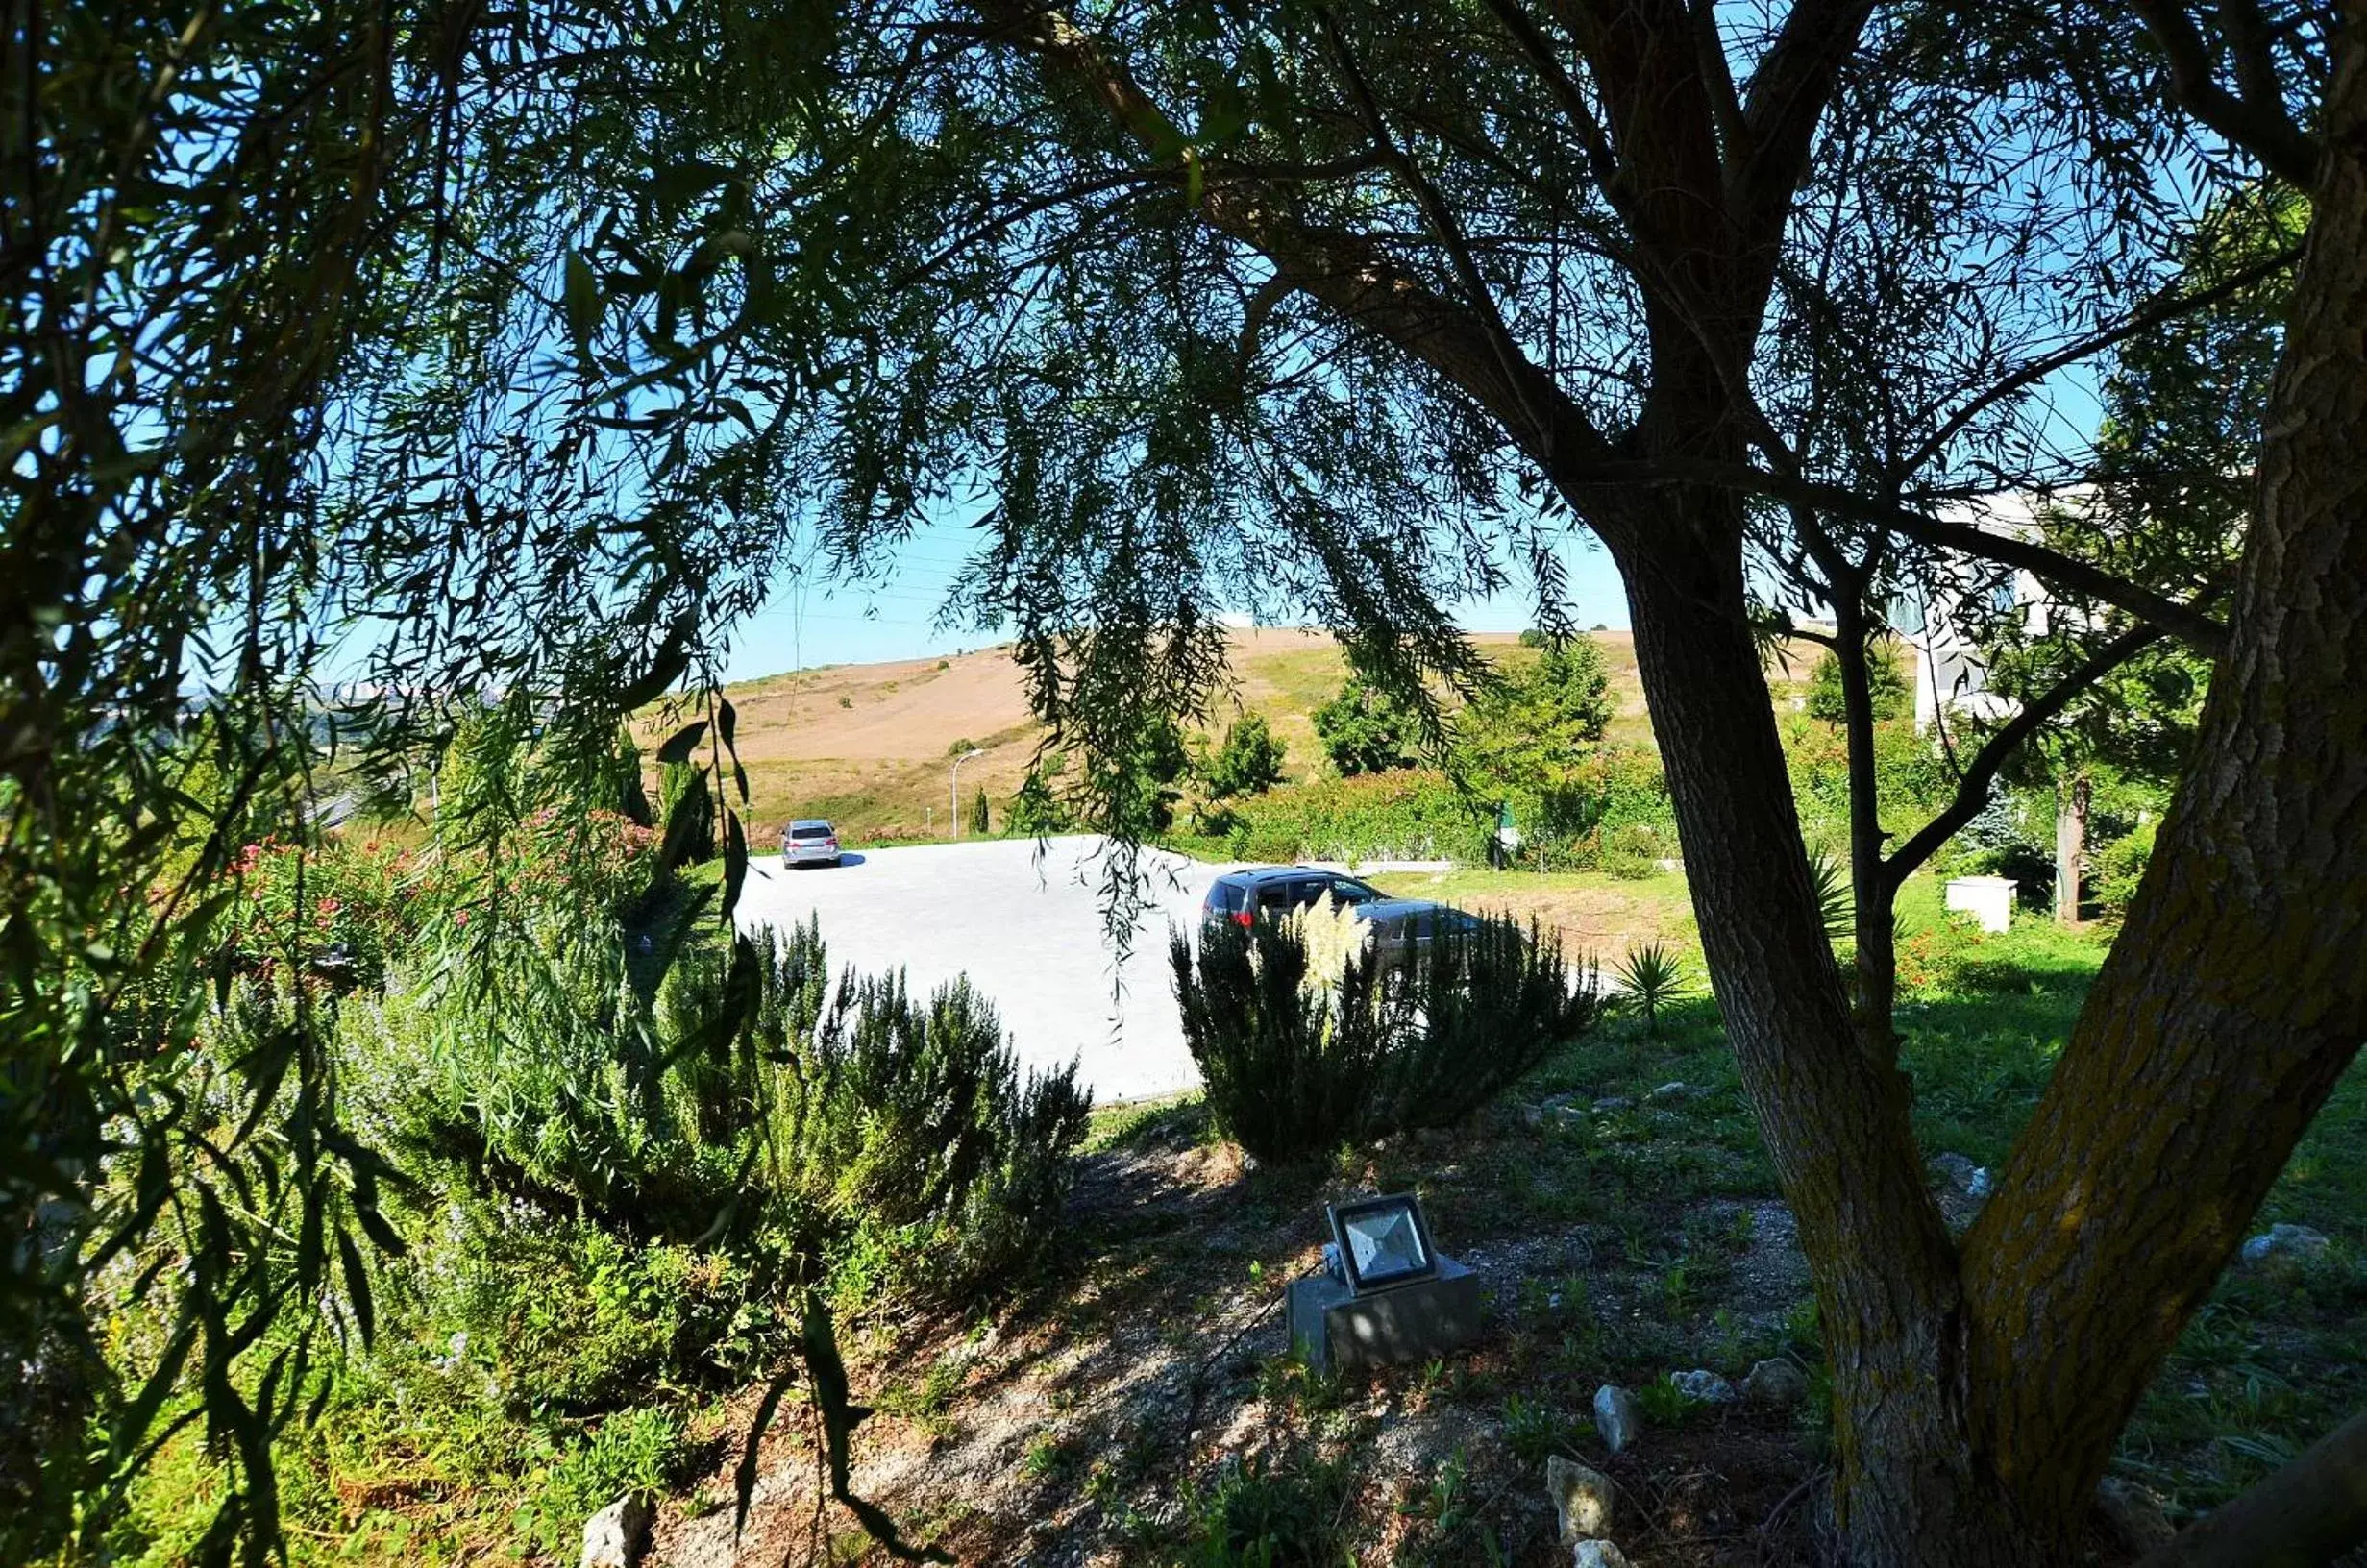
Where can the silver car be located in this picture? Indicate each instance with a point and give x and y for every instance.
(809, 840)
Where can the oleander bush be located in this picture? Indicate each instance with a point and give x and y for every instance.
(619, 1152)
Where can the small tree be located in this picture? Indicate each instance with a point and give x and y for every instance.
(1035, 811)
(1366, 730)
(981, 822)
(1249, 762)
(688, 807)
(1886, 680)
(1533, 730)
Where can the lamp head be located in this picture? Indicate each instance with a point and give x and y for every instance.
(1382, 1243)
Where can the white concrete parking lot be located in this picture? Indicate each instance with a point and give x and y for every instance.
(1028, 934)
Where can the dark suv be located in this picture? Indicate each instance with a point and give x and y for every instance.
(1400, 926)
(1275, 891)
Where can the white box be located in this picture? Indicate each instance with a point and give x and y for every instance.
(1988, 900)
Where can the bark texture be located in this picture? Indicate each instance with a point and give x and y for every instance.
(1834, 1114)
(2070, 846)
(2237, 992)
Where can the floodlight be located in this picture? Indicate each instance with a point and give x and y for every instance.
(1385, 1294)
(1381, 1241)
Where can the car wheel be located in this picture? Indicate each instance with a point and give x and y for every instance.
(838, 860)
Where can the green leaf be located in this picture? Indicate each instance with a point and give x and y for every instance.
(358, 1286)
(735, 861)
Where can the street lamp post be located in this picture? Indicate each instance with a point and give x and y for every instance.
(954, 789)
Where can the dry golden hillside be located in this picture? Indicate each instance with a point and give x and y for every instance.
(868, 744)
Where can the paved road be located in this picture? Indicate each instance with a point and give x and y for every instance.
(1028, 935)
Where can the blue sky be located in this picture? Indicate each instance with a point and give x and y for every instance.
(895, 619)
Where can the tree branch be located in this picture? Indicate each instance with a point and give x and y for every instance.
(2262, 129)
(2162, 310)
(1482, 301)
(2308, 1511)
(1531, 41)
(2184, 622)
(1972, 792)
(1345, 272)
(1786, 99)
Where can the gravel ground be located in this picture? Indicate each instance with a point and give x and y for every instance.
(1029, 933)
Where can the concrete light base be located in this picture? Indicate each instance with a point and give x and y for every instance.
(1335, 1331)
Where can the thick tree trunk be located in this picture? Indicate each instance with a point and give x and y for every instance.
(2070, 846)
(2237, 992)
(1834, 1115)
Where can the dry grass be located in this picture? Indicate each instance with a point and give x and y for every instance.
(1595, 916)
(868, 746)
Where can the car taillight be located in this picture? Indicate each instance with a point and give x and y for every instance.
(1241, 917)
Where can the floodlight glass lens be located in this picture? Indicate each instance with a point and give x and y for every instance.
(1386, 1244)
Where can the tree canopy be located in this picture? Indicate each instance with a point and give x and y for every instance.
(1529, 732)
(1366, 729)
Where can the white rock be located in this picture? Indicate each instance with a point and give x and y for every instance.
(1676, 1091)
(1581, 1496)
(1615, 1102)
(1978, 1184)
(1617, 1417)
(616, 1537)
(1777, 1381)
(1703, 1386)
(2285, 1242)
(1598, 1555)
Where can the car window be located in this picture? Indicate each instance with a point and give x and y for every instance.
(810, 830)
(1348, 891)
(1278, 896)
(1228, 898)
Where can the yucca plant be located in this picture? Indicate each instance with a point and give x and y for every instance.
(1836, 902)
(1651, 978)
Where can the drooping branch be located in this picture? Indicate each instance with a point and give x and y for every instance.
(1345, 272)
(1450, 233)
(1972, 791)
